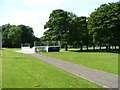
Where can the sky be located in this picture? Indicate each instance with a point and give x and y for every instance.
(35, 13)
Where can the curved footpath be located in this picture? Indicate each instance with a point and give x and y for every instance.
(100, 77)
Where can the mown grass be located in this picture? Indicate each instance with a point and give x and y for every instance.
(103, 61)
(24, 71)
(0, 69)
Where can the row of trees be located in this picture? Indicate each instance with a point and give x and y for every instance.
(14, 36)
(102, 28)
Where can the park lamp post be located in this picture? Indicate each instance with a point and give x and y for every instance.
(0, 38)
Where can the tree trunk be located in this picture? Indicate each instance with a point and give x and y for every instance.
(81, 47)
(112, 48)
(106, 48)
(87, 47)
(93, 47)
(109, 47)
(66, 47)
(115, 47)
(100, 47)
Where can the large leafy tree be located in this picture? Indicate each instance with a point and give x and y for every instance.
(27, 34)
(5, 40)
(104, 24)
(82, 32)
(58, 26)
(78, 31)
(14, 36)
(66, 27)
(11, 36)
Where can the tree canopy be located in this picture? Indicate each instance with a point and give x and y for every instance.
(104, 24)
(100, 29)
(14, 36)
(64, 26)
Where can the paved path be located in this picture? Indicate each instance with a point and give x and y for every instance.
(98, 76)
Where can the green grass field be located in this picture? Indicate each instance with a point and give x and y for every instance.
(0, 70)
(24, 71)
(103, 61)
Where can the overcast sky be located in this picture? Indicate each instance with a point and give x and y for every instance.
(35, 13)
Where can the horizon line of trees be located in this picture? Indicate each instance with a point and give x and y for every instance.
(15, 35)
(102, 28)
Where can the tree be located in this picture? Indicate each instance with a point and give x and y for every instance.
(13, 36)
(82, 31)
(78, 31)
(27, 34)
(66, 27)
(6, 26)
(58, 26)
(5, 31)
(104, 24)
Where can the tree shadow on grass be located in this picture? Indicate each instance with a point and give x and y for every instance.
(102, 50)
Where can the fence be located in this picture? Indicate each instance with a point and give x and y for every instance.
(47, 46)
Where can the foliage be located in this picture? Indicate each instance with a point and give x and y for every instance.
(13, 36)
(104, 24)
(57, 25)
(27, 34)
(65, 27)
(78, 31)
(100, 29)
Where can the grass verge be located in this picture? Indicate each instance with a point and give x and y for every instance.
(103, 61)
(24, 71)
(0, 69)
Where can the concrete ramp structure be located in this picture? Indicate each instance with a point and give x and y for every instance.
(26, 48)
(46, 46)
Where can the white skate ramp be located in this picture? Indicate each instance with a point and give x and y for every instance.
(27, 50)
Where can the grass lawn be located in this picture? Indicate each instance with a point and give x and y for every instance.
(0, 70)
(24, 71)
(103, 61)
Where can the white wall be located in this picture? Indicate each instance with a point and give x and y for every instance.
(28, 49)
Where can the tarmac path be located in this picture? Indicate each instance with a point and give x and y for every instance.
(100, 77)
